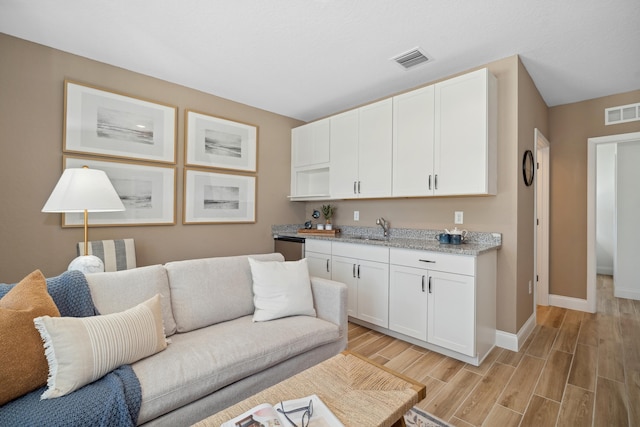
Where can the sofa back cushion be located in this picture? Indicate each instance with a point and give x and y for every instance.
(117, 291)
(212, 290)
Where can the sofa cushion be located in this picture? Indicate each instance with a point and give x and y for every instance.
(280, 289)
(23, 366)
(212, 290)
(200, 362)
(80, 350)
(113, 292)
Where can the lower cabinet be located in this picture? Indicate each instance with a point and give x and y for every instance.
(408, 301)
(318, 254)
(367, 280)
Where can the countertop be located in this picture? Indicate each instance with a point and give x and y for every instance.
(424, 240)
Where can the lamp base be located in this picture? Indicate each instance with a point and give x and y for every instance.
(87, 264)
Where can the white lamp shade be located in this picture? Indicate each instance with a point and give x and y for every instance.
(83, 189)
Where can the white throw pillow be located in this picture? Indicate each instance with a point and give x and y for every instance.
(281, 289)
(80, 350)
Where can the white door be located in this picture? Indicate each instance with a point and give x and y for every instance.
(375, 149)
(461, 134)
(373, 292)
(413, 135)
(344, 161)
(542, 220)
(408, 301)
(319, 264)
(344, 270)
(451, 312)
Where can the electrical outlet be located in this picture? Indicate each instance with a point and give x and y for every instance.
(458, 217)
(530, 287)
(356, 215)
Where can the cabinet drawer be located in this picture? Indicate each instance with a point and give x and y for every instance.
(320, 246)
(459, 264)
(364, 252)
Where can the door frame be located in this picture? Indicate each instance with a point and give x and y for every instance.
(591, 209)
(541, 220)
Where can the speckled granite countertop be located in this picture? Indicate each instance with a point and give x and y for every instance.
(475, 243)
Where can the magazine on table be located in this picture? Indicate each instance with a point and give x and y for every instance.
(307, 411)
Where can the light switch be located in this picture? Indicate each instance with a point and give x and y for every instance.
(458, 217)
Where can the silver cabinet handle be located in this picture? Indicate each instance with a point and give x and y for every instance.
(422, 283)
(429, 284)
(354, 187)
(436, 181)
(327, 265)
(354, 270)
(358, 271)
(358, 187)
(427, 260)
(429, 181)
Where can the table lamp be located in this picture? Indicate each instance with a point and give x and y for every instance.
(84, 190)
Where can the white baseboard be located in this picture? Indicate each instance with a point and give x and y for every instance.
(626, 293)
(569, 302)
(513, 342)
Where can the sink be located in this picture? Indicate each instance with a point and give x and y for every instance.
(376, 239)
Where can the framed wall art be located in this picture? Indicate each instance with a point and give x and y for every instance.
(211, 197)
(219, 143)
(148, 193)
(110, 124)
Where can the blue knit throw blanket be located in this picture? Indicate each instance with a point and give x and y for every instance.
(113, 400)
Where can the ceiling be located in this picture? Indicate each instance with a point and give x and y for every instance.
(309, 59)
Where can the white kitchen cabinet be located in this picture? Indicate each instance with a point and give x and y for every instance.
(451, 311)
(408, 301)
(413, 143)
(318, 254)
(365, 271)
(444, 300)
(310, 160)
(361, 143)
(465, 150)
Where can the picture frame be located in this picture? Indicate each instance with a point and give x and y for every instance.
(148, 192)
(222, 198)
(111, 124)
(217, 142)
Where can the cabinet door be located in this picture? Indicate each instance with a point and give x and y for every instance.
(464, 138)
(451, 312)
(375, 155)
(373, 292)
(319, 264)
(311, 143)
(413, 136)
(344, 270)
(408, 301)
(344, 161)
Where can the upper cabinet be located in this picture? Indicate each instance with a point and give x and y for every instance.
(310, 156)
(439, 140)
(362, 152)
(465, 151)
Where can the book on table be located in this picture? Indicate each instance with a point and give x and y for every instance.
(307, 411)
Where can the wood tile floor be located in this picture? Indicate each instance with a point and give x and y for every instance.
(576, 369)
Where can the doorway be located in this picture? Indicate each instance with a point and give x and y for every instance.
(542, 220)
(593, 143)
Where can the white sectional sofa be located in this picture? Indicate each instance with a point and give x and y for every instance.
(218, 355)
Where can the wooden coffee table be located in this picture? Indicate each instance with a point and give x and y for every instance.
(358, 391)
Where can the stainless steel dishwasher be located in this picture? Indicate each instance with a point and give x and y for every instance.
(291, 247)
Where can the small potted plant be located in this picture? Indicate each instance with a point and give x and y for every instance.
(327, 213)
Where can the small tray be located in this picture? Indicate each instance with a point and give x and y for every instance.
(316, 232)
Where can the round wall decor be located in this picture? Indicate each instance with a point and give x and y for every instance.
(528, 168)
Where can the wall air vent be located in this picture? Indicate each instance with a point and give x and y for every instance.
(622, 114)
(412, 58)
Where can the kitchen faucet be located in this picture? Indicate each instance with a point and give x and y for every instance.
(384, 224)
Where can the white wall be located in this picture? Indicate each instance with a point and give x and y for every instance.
(605, 200)
(627, 272)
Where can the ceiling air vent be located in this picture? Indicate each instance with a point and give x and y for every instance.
(622, 114)
(411, 58)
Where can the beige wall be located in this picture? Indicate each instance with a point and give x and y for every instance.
(500, 213)
(31, 116)
(570, 126)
